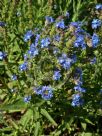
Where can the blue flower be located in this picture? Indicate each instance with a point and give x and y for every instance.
(38, 90)
(93, 61)
(98, 7)
(49, 19)
(100, 91)
(56, 75)
(2, 24)
(12, 90)
(18, 14)
(76, 24)
(28, 35)
(45, 42)
(79, 88)
(47, 92)
(95, 40)
(1, 55)
(79, 30)
(56, 38)
(77, 100)
(65, 61)
(60, 24)
(78, 76)
(80, 42)
(37, 39)
(67, 14)
(33, 52)
(32, 46)
(55, 50)
(14, 77)
(55, 6)
(79, 71)
(78, 80)
(96, 23)
(23, 66)
(74, 58)
(67, 64)
(25, 57)
(27, 99)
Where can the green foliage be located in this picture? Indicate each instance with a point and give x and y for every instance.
(57, 116)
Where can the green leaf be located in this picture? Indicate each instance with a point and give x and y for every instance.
(26, 117)
(6, 129)
(37, 127)
(14, 107)
(14, 124)
(87, 134)
(88, 121)
(83, 125)
(47, 115)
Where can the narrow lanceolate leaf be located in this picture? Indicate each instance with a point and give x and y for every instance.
(26, 118)
(84, 125)
(88, 121)
(13, 124)
(47, 115)
(37, 127)
(18, 106)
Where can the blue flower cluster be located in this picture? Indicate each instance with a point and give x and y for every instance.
(66, 59)
(81, 35)
(77, 98)
(33, 50)
(46, 92)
